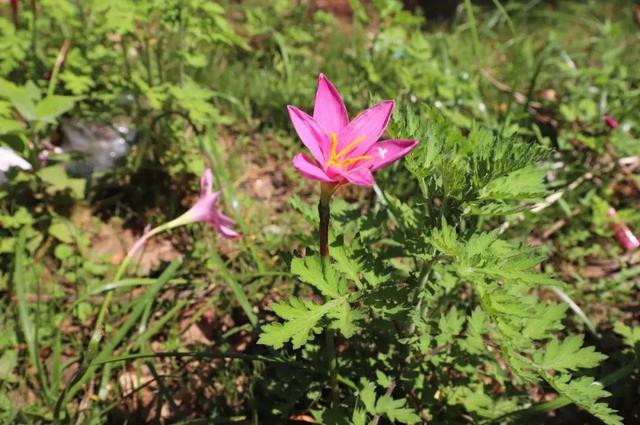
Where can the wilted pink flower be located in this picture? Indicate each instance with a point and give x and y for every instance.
(622, 233)
(206, 210)
(10, 159)
(611, 122)
(344, 151)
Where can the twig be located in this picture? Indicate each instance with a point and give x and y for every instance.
(520, 98)
(60, 59)
(389, 391)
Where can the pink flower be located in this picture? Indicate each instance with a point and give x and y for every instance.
(206, 210)
(611, 122)
(622, 233)
(344, 151)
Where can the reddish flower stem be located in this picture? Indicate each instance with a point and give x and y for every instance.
(324, 212)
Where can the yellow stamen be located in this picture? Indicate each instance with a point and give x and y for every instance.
(333, 158)
(334, 145)
(350, 147)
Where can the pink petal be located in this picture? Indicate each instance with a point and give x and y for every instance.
(361, 177)
(308, 169)
(206, 182)
(625, 237)
(224, 220)
(611, 122)
(329, 110)
(227, 232)
(223, 224)
(368, 125)
(310, 132)
(388, 151)
(203, 208)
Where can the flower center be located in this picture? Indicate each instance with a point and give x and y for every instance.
(334, 159)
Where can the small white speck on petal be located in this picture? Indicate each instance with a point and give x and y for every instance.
(382, 152)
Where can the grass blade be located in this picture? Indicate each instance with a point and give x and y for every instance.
(114, 341)
(27, 326)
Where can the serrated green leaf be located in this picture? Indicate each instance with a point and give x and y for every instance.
(568, 355)
(309, 270)
(631, 335)
(519, 185)
(301, 320)
(368, 395)
(345, 263)
(310, 215)
(395, 410)
(445, 239)
(585, 392)
(345, 319)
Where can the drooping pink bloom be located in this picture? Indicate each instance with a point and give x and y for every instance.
(625, 237)
(344, 151)
(611, 122)
(206, 210)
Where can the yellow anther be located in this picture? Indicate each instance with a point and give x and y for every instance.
(333, 158)
(334, 145)
(350, 147)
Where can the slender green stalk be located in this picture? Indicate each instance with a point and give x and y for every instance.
(324, 212)
(474, 27)
(425, 193)
(236, 288)
(212, 150)
(506, 16)
(27, 325)
(53, 79)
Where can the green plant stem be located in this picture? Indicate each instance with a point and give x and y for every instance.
(236, 288)
(212, 150)
(324, 212)
(474, 28)
(425, 193)
(53, 79)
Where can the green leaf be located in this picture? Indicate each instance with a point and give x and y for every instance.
(445, 239)
(395, 410)
(525, 184)
(58, 180)
(476, 326)
(368, 395)
(585, 392)
(301, 317)
(22, 98)
(62, 230)
(344, 263)
(309, 270)
(309, 214)
(345, 319)
(449, 325)
(568, 355)
(403, 212)
(51, 107)
(631, 335)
